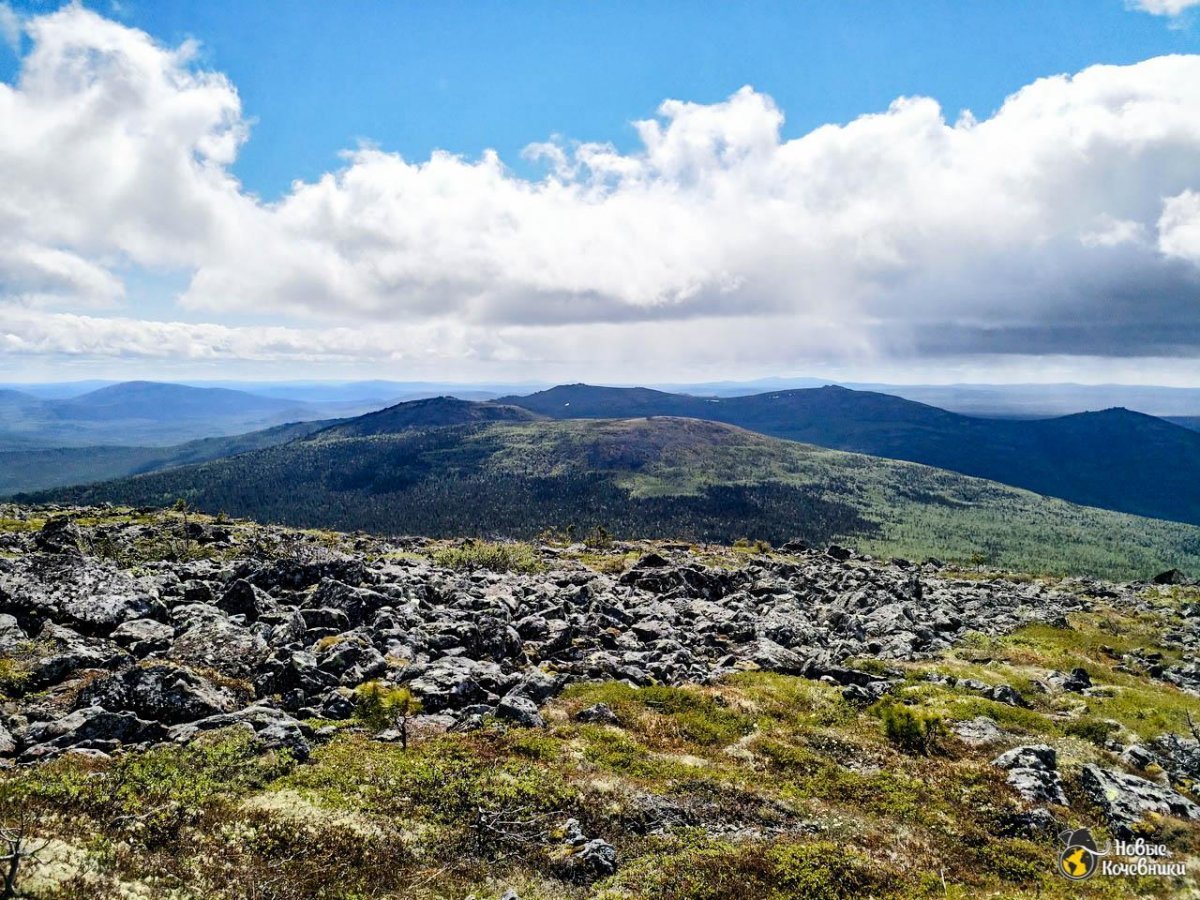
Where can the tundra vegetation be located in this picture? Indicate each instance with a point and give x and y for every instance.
(878, 779)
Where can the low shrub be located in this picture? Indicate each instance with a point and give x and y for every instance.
(1096, 731)
(910, 730)
(485, 555)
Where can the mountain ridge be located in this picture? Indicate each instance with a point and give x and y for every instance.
(666, 477)
(431, 412)
(1116, 458)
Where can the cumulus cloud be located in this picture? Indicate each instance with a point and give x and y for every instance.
(1179, 227)
(113, 149)
(1164, 7)
(1065, 223)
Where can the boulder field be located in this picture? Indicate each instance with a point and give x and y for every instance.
(272, 630)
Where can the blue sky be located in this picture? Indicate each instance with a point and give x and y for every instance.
(318, 77)
(815, 223)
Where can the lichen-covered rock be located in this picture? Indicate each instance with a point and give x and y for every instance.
(1033, 772)
(223, 646)
(63, 652)
(520, 711)
(80, 593)
(165, 693)
(90, 728)
(273, 728)
(1127, 799)
(598, 714)
(141, 637)
(979, 732)
(244, 599)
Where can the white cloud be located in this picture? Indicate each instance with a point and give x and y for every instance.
(113, 149)
(33, 332)
(895, 222)
(1064, 223)
(1164, 7)
(1179, 227)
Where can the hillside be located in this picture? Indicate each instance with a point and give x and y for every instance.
(1115, 459)
(143, 413)
(662, 477)
(238, 710)
(430, 413)
(43, 469)
(22, 471)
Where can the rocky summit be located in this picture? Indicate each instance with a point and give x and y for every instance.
(130, 633)
(271, 640)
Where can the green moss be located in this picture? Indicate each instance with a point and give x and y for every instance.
(1097, 731)
(534, 744)
(447, 778)
(696, 868)
(150, 797)
(797, 701)
(20, 526)
(668, 714)
(621, 754)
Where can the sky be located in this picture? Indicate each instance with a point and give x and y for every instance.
(897, 190)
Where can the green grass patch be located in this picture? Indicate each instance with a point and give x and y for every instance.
(692, 867)
(492, 556)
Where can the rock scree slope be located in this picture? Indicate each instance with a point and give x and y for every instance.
(647, 719)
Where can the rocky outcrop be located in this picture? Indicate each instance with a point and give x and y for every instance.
(165, 693)
(1033, 773)
(286, 631)
(585, 859)
(1127, 799)
(89, 729)
(273, 728)
(979, 732)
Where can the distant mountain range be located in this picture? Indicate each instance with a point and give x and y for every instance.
(143, 413)
(655, 477)
(42, 469)
(1115, 459)
(46, 468)
(1022, 401)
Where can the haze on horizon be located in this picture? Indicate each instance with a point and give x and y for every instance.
(718, 202)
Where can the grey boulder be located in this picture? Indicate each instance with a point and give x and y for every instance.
(1127, 799)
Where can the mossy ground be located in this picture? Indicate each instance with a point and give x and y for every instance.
(763, 785)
